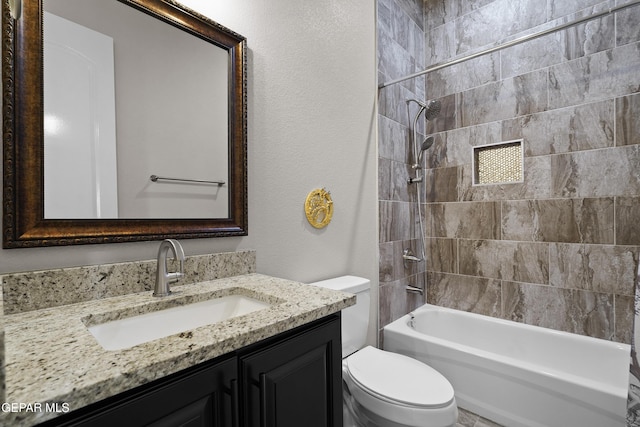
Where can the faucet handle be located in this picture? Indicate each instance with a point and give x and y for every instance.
(174, 277)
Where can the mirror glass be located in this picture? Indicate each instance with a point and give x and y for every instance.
(127, 96)
(124, 120)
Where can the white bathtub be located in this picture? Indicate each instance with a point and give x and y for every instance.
(516, 374)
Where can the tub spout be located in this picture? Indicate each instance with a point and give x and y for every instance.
(412, 318)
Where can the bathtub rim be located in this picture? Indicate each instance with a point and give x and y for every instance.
(402, 326)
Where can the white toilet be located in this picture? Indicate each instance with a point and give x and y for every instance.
(381, 388)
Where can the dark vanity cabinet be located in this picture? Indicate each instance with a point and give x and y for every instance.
(295, 382)
(293, 379)
(199, 397)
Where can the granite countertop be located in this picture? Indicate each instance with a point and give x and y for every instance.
(51, 357)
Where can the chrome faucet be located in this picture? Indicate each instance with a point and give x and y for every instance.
(163, 277)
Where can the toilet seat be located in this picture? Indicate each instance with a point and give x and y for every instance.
(400, 389)
(399, 379)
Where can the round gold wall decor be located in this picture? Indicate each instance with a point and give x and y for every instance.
(319, 208)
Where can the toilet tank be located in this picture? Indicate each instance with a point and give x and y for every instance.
(355, 319)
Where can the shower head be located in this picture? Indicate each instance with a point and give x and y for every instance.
(426, 144)
(431, 108)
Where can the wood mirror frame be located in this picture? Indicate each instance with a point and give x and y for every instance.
(24, 224)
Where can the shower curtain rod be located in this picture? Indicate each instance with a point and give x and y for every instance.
(509, 44)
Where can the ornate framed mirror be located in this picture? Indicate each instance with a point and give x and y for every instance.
(28, 219)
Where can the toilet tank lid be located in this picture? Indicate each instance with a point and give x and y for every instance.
(351, 284)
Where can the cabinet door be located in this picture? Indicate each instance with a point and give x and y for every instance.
(296, 382)
(201, 397)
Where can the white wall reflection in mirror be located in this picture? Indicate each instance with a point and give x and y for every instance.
(170, 98)
(80, 172)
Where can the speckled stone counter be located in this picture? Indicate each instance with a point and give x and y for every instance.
(35, 290)
(52, 357)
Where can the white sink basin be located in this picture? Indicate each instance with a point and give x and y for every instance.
(131, 331)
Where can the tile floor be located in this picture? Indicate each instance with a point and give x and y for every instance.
(469, 419)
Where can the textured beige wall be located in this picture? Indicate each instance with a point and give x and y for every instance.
(311, 113)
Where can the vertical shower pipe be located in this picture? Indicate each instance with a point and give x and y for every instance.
(406, 255)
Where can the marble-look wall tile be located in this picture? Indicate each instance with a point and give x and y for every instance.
(400, 38)
(440, 12)
(395, 301)
(455, 147)
(517, 96)
(53, 288)
(437, 13)
(394, 61)
(506, 260)
(466, 6)
(386, 262)
(394, 220)
(496, 21)
(442, 184)
(575, 42)
(628, 30)
(627, 224)
(401, 51)
(473, 294)
(398, 221)
(442, 255)
(440, 43)
(393, 140)
(559, 220)
(536, 183)
(584, 127)
(624, 317)
(580, 312)
(469, 220)
(596, 173)
(627, 122)
(384, 178)
(607, 269)
(414, 10)
(403, 23)
(560, 8)
(464, 76)
(400, 189)
(572, 97)
(392, 100)
(392, 265)
(595, 77)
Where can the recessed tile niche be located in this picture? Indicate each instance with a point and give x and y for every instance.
(498, 163)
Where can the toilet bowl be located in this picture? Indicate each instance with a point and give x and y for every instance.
(390, 389)
(381, 388)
